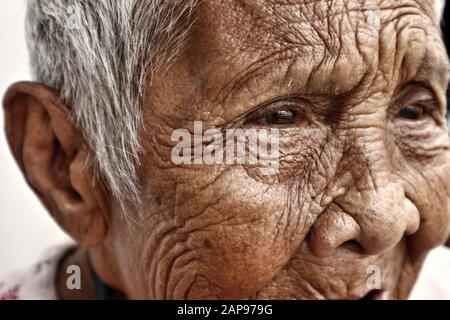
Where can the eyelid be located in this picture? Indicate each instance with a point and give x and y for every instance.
(272, 107)
(259, 111)
(430, 104)
(416, 95)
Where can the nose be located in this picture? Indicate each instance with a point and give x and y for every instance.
(373, 221)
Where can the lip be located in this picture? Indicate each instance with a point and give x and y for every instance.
(377, 294)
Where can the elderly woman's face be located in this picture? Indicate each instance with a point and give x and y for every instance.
(357, 94)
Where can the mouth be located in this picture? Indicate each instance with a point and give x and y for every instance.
(375, 295)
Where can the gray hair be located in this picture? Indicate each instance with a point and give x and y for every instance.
(99, 54)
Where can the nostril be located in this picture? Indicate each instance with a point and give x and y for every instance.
(412, 216)
(331, 230)
(352, 245)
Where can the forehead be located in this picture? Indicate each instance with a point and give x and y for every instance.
(315, 47)
(302, 21)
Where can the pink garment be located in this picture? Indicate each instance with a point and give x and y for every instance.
(434, 279)
(39, 282)
(35, 283)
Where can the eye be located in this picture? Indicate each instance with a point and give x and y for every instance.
(281, 117)
(412, 112)
(416, 111)
(282, 113)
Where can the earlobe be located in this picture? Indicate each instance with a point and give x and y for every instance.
(53, 157)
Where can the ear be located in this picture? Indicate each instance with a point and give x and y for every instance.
(54, 159)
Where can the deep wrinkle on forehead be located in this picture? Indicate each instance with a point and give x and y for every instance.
(279, 64)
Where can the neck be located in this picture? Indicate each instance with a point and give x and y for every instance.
(93, 286)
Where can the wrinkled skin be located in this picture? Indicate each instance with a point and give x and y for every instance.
(359, 185)
(351, 188)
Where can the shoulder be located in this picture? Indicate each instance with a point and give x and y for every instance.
(434, 278)
(37, 282)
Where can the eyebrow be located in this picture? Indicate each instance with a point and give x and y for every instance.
(430, 73)
(434, 71)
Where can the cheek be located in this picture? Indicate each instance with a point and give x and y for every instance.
(434, 182)
(245, 235)
(225, 232)
(237, 261)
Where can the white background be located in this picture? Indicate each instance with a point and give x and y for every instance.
(26, 229)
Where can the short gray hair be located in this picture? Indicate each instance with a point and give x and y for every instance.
(99, 54)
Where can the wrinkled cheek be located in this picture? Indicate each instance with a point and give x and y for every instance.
(240, 260)
(435, 212)
(244, 238)
(435, 227)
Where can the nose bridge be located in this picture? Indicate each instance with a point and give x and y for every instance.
(367, 159)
